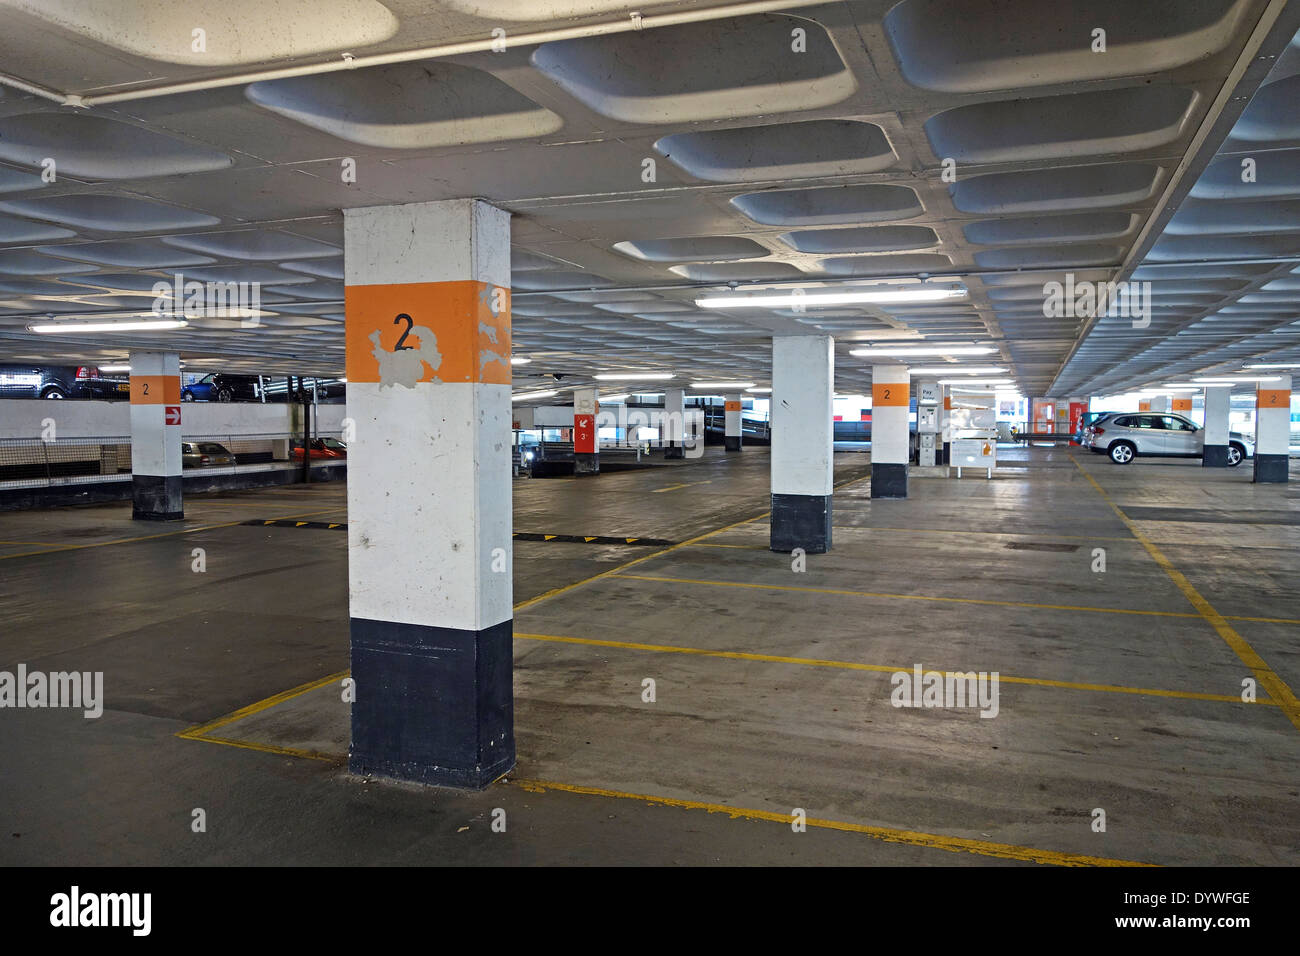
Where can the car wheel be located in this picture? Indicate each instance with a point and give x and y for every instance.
(187, 396)
(53, 393)
(225, 395)
(1235, 455)
(1121, 453)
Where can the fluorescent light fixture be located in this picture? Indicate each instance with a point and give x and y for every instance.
(1239, 380)
(759, 391)
(115, 368)
(519, 360)
(160, 326)
(976, 381)
(525, 396)
(1161, 389)
(780, 300)
(722, 385)
(956, 370)
(612, 398)
(1274, 365)
(632, 376)
(897, 351)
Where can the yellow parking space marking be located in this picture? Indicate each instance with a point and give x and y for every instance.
(151, 537)
(200, 731)
(670, 488)
(1275, 686)
(934, 841)
(886, 668)
(902, 597)
(564, 589)
(270, 748)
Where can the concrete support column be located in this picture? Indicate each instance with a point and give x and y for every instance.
(1273, 430)
(673, 426)
(429, 508)
(732, 435)
(1159, 403)
(1218, 401)
(156, 436)
(586, 439)
(803, 441)
(890, 435)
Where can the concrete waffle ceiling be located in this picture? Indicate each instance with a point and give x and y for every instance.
(791, 146)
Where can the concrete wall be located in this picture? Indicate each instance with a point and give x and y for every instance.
(24, 418)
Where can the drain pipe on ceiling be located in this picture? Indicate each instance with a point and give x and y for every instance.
(347, 61)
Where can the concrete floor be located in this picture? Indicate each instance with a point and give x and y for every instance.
(1119, 690)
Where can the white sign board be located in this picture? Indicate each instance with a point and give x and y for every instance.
(974, 453)
(929, 393)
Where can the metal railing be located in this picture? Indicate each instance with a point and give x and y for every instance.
(52, 463)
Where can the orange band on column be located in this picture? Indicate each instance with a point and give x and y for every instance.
(1181, 405)
(890, 394)
(1273, 398)
(155, 389)
(732, 407)
(428, 331)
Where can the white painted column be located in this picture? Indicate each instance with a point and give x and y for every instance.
(732, 430)
(156, 436)
(890, 434)
(586, 440)
(803, 442)
(672, 427)
(429, 506)
(1160, 403)
(1273, 430)
(1218, 403)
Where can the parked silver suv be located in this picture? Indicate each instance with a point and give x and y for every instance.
(1157, 434)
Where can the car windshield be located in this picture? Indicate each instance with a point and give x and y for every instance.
(212, 448)
(208, 379)
(333, 444)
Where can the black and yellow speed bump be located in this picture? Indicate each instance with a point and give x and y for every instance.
(518, 535)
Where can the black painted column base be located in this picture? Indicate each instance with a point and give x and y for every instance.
(1271, 468)
(586, 463)
(801, 521)
(945, 456)
(675, 451)
(156, 498)
(433, 704)
(888, 480)
(731, 442)
(1215, 456)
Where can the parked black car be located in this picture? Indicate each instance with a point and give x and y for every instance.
(60, 381)
(219, 387)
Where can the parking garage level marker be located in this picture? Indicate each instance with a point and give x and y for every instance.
(1264, 675)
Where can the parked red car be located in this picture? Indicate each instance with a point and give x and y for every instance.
(321, 448)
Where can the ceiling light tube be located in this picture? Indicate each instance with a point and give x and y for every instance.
(632, 376)
(519, 360)
(898, 351)
(163, 326)
(956, 370)
(525, 396)
(724, 385)
(781, 300)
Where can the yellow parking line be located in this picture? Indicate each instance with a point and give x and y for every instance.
(1264, 675)
(555, 592)
(199, 731)
(882, 668)
(934, 841)
(901, 597)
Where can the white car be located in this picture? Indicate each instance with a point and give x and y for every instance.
(1158, 435)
